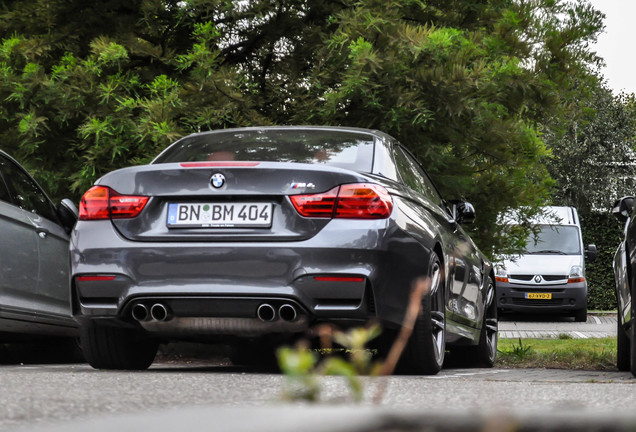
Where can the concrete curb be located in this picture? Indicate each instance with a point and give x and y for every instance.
(352, 418)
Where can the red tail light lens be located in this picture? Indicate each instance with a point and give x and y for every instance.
(101, 202)
(350, 201)
(338, 279)
(363, 201)
(94, 204)
(95, 278)
(316, 205)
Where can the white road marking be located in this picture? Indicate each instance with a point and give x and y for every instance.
(467, 374)
(581, 335)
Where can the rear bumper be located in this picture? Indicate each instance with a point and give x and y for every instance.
(566, 298)
(217, 288)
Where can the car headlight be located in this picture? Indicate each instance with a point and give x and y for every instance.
(576, 274)
(501, 275)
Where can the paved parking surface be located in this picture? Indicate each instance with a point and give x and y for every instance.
(213, 396)
(173, 397)
(597, 326)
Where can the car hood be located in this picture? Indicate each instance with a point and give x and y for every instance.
(541, 264)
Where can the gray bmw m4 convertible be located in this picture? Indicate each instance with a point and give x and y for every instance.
(256, 235)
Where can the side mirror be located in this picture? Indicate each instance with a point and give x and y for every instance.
(68, 214)
(463, 212)
(591, 253)
(622, 208)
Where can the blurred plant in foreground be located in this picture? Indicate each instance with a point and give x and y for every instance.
(303, 366)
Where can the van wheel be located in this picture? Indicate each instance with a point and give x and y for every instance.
(580, 315)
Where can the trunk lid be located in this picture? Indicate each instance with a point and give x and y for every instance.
(260, 187)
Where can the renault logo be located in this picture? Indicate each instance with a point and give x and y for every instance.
(217, 180)
(537, 279)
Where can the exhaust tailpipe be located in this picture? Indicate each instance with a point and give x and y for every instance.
(159, 312)
(266, 312)
(140, 312)
(287, 312)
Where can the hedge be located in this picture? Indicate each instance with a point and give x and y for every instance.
(603, 230)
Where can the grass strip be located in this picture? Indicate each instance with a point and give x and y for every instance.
(562, 353)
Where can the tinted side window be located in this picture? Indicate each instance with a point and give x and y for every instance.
(4, 192)
(26, 193)
(415, 177)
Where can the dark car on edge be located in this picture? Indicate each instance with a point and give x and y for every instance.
(34, 279)
(624, 272)
(255, 234)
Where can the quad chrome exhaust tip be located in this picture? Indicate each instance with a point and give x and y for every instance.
(140, 312)
(266, 312)
(159, 312)
(287, 312)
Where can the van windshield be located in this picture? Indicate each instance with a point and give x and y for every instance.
(555, 239)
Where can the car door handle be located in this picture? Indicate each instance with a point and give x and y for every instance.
(42, 232)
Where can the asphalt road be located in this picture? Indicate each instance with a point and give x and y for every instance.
(213, 395)
(76, 397)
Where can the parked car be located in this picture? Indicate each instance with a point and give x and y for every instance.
(549, 275)
(624, 266)
(259, 233)
(34, 281)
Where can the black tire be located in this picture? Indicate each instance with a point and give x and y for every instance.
(107, 347)
(256, 354)
(580, 315)
(484, 353)
(424, 353)
(623, 361)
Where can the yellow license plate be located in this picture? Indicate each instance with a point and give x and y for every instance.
(539, 296)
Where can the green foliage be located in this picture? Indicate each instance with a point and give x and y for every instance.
(592, 144)
(95, 96)
(470, 87)
(585, 354)
(603, 230)
(298, 366)
(451, 81)
(520, 351)
(302, 367)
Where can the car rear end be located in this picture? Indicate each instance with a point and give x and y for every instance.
(201, 248)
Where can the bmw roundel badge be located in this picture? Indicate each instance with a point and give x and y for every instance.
(217, 180)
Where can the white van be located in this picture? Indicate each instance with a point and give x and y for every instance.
(549, 277)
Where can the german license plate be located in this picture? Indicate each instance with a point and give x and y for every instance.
(219, 215)
(539, 296)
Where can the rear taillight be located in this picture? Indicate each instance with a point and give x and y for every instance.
(363, 201)
(101, 202)
(349, 201)
(316, 205)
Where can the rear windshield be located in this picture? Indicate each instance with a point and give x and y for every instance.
(342, 149)
(555, 240)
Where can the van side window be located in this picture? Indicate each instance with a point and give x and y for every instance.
(414, 176)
